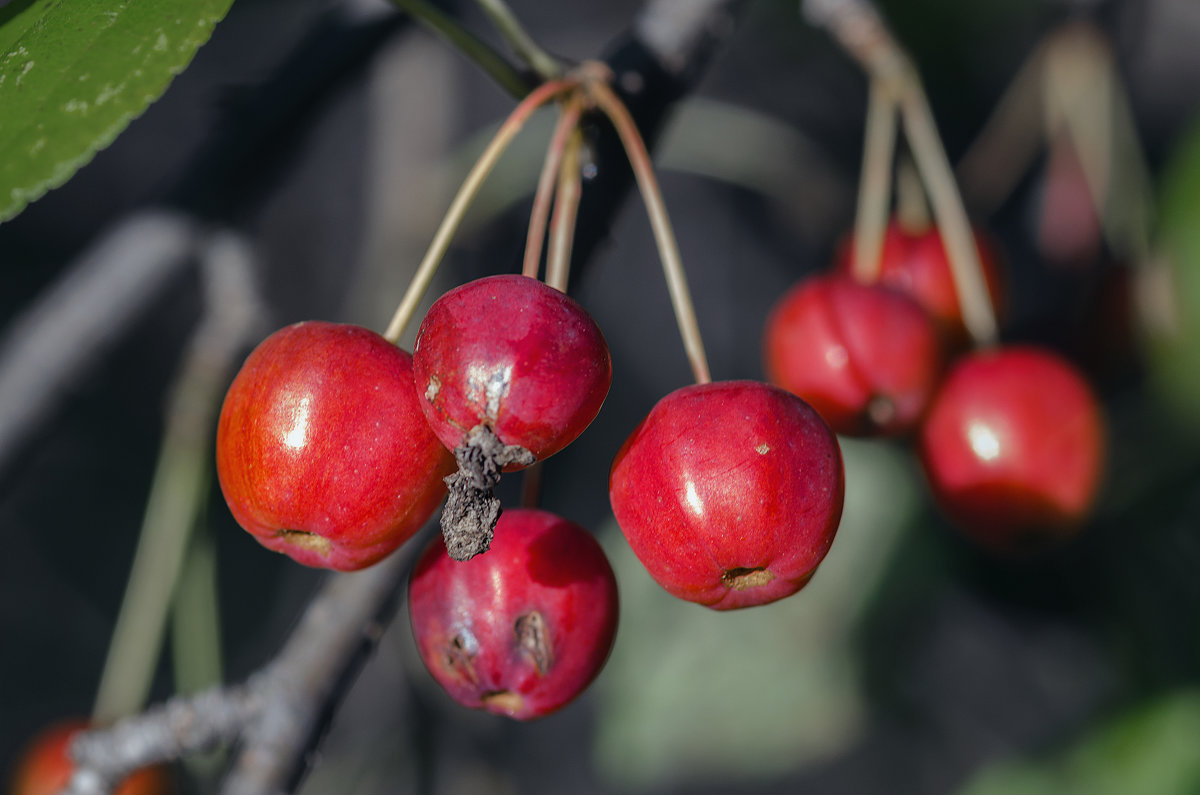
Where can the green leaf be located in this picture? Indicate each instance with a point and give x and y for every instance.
(1174, 345)
(1150, 750)
(74, 74)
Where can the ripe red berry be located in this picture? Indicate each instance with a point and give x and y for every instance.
(508, 371)
(522, 630)
(729, 493)
(513, 354)
(916, 263)
(45, 766)
(866, 357)
(322, 450)
(1013, 446)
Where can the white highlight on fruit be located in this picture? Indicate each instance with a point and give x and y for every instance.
(297, 434)
(983, 441)
(693, 499)
(837, 357)
(488, 387)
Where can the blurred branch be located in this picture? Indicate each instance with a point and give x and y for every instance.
(51, 344)
(275, 712)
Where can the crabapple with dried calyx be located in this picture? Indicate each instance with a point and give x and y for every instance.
(323, 452)
(729, 493)
(1013, 447)
(866, 357)
(522, 630)
(508, 371)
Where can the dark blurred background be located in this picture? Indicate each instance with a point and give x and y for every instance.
(914, 663)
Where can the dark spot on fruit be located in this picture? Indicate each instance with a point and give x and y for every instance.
(458, 660)
(534, 640)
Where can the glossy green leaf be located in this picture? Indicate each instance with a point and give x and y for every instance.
(74, 74)
(1149, 751)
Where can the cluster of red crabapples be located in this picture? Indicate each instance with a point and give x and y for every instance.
(334, 446)
(1011, 438)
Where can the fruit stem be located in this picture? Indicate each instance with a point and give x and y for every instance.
(859, 29)
(545, 65)
(875, 183)
(568, 120)
(462, 200)
(566, 208)
(912, 208)
(952, 222)
(668, 249)
(479, 51)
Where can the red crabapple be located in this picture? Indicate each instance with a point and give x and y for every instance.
(45, 767)
(323, 453)
(522, 630)
(508, 371)
(1013, 446)
(866, 357)
(916, 263)
(729, 493)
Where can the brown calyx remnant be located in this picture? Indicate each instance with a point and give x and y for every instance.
(740, 579)
(472, 508)
(306, 540)
(534, 640)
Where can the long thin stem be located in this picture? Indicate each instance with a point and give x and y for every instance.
(660, 223)
(951, 215)
(479, 51)
(875, 183)
(566, 208)
(545, 65)
(462, 200)
(858, 27)
(539, 215)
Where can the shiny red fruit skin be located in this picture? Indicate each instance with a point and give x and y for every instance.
(523, 629)
(512, 353)
(323, 453)
(1013, 446)
(45, 767)
(866, 357)
(916, 263)
(729, 493)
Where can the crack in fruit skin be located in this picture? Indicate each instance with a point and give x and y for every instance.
(515, 354)
(701, 504)
(522, 630)
(323, 452)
